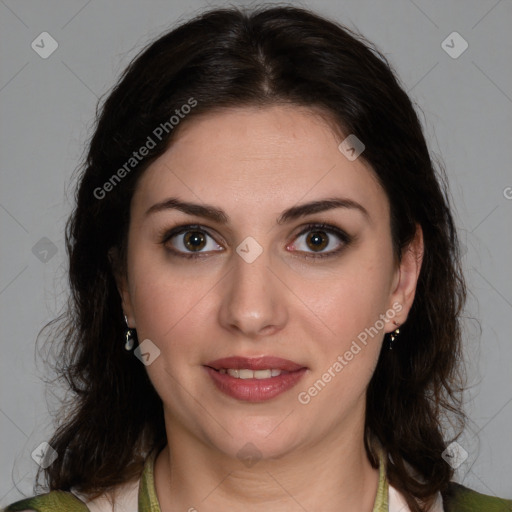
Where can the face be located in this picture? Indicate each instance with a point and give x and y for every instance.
(249, 274)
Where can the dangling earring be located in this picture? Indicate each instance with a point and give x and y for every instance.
(129, 336)
(393, 335)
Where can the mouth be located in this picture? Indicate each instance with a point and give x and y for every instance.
(246, 373)
(254, 379)
(255, 364)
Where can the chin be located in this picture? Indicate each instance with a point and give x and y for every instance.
(250, 444)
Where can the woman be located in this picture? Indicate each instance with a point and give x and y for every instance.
(266, 285)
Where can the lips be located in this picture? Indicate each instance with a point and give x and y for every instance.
(255, 379)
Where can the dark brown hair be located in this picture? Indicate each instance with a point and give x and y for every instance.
(234, 58)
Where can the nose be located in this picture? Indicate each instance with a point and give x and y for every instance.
(253, 303)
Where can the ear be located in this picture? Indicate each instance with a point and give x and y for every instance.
(120, 276)
(406, 280)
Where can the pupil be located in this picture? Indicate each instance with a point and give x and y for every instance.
(194, 240)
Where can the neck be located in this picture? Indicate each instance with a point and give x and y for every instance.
(330, 476)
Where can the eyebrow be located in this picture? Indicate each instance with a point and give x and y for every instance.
(218, 215)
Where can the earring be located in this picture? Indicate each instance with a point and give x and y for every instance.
(129, 337)
(393, 335)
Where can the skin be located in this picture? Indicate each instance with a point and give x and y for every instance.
(254, 163)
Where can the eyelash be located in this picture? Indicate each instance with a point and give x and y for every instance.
(329, 229)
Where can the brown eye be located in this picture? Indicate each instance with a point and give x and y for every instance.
(317, 240)
(194, 240)
(312, 241)
(189, 241)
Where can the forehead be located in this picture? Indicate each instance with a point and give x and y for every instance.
(259, 161)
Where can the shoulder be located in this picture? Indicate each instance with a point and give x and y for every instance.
(458, 498)
(122, 499)
(54, 501)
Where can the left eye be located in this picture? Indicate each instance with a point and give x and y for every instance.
(319, 239)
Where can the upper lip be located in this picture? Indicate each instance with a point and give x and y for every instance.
(254, 363)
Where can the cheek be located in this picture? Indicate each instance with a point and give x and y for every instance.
(352, 298)
(346, 357)
(169, 306)
(163, 307)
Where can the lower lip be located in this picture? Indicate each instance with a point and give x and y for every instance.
(255, 390)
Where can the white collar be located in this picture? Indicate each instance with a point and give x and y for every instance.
(397, 502)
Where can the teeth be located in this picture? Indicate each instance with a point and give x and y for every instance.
(251, 374)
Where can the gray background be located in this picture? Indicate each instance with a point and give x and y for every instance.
(47, 109)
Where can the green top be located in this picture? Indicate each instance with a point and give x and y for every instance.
(456, 499)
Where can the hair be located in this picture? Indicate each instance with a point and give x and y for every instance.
(235, 58)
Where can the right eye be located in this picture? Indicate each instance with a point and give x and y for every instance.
(190, 241)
